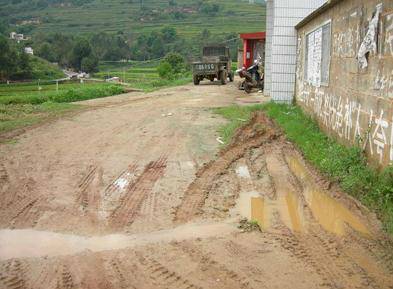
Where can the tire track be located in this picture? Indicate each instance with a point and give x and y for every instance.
(119, 276)
(162, 276)
(136, 193)
(23, 212)
(83, 194)
(4, 177)
(13, 275)
(65, 280)
(116, 190)
(215, 269)
(251, 136)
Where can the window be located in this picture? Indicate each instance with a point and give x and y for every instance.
(317, 56)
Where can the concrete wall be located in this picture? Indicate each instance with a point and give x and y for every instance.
(356, 105)
(280, 57)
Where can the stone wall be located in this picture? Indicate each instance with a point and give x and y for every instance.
(356, 104)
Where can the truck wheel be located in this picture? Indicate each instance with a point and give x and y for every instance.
(223, 77)
(231, 76)
(196, 80)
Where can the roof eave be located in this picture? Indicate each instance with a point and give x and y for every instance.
(328, 4)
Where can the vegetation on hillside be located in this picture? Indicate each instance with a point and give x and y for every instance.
(14, 63)
(133, 17)
(345, 165)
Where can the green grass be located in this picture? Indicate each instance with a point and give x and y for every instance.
(237, 116)
(20, 115)
(23, 104)
(142, 76)
(345, 165)
(43, 70)
(69, 92)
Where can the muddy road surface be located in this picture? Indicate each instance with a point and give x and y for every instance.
(134, 192)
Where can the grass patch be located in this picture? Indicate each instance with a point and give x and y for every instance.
(19, 115)
(237, 116)
(139, 76)
(345, 165)
(23, 104)
(29, 94)
(149, 86)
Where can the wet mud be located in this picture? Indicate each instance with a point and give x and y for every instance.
(144, 202)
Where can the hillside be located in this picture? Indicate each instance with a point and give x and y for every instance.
(133, 17)
(42, 69)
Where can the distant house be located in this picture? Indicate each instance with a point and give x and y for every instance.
(281, 43)
(17, 36)
(29, 50)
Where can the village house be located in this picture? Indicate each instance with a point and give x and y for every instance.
(344, 74)
(29, 50)
(17, 36)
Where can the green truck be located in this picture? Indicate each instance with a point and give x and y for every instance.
(215, 64)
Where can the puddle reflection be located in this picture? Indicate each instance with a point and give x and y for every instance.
(327, 211)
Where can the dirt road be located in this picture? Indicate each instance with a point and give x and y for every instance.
(134, 193)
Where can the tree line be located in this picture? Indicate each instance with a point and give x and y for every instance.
(14, 62)
(83, 53)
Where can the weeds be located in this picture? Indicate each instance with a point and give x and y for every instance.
(237, 116)
(249, 226)
(345, 165)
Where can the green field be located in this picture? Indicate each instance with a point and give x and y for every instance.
(29, 103)
(139, 75)
(128, 17)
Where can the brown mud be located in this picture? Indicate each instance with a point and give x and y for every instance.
(120, 196)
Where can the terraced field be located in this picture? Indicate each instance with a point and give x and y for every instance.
(127, 16)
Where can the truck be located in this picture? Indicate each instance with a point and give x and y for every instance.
(215, 64)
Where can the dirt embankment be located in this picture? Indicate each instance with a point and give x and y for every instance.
(175, 212)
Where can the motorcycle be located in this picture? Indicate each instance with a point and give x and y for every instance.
(252, 77)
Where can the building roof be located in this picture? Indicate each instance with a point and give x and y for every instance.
(255, 35)
(329, 4)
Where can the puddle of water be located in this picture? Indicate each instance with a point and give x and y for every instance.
(244, 205)
(243, 172)
(252, 206)
(331, 214)
(258, 212)
(328, 212)
(32, 243)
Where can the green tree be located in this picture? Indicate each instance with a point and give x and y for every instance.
(169, 34)
(176, 61)
(90, 64)
(172, 66)
(82, 49)
(8, 57)
(45, 50)
(24, 69)
(164, 70)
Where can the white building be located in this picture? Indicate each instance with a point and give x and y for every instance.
(29, 50)
(16, 36)
(281, 43)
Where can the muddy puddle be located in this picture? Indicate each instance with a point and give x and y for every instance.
(290, 207)
(32, 243)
